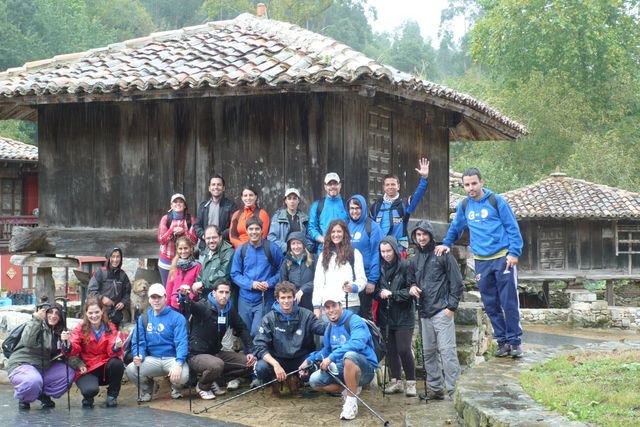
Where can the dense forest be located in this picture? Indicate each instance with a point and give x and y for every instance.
(567, 69)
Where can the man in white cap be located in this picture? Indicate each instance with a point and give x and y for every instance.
(162, 347)
(288, 219)
(325, 210)
(347, 349)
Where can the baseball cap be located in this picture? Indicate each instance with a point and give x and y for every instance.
(178, 196)
(157, 289)
(334, 297)
(292, 191)
(331, 176)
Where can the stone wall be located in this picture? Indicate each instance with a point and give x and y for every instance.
(587, 311)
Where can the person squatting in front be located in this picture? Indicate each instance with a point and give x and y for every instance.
(35, 370)
(350, 349)
(437, 282)
(161, 348)
(284, 339)
(97, 342)
(210, 319)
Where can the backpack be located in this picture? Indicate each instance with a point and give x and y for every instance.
(376, 335)
(267, 250)
(492, 201)
(11, 342)
(398, 205)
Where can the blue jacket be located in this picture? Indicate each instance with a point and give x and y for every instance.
(491, 230)
(166, 335)
(335, 346)
(256, 268)
(279, 228)
(367, 244)
(333, 208)
(385, 215)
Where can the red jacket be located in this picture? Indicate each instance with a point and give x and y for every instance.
(166, 239)
(180, 278)
(94, 353)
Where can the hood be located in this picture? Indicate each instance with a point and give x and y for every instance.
(393, 242)
(108, 256)
(296, 235)
(363, 203)
(426, 227)
(212, 300)
(60, 326)
(294, 309)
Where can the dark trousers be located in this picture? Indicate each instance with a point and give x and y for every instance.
(265, 372)
(399, 351)
(225, 365)
(366, 305)
(109, 374)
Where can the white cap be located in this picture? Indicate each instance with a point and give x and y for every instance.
(178, 196)
(336, 297)
(157, 289)
(331, 176)
(292, 191)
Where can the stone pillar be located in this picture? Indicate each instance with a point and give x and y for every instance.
(45, 285)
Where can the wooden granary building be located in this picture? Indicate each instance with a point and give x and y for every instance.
(264, 102)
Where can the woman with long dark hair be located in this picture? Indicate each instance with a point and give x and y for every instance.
(176, 223)
(184, 270)
(97, 343)
(340, 268)
(250, 209)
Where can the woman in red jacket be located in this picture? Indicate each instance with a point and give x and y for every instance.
(184, 271)
(176, 223)
(97, 343)
(238, 230)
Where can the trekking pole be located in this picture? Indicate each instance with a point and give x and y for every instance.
(264, 304)
(386, 344)
(246, 392)
(424, 365)
(66, 362)
(333, 372)
(137, 316)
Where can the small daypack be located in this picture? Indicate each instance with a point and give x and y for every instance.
(376, 335)
(11, 342)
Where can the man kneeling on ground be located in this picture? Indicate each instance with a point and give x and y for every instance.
(348, 344)
(211, 317)
(162, 349)
(284, 339)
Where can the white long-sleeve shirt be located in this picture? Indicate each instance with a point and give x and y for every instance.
(330, 282)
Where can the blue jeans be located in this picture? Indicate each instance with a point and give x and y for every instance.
(252, 313)
(321, 378)
(499, 292)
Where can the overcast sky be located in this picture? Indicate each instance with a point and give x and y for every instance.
(391, 14)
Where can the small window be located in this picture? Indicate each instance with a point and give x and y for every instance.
(10, 196)
(628, 239)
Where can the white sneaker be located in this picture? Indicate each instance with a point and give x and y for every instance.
(395, 386)
(205, 394)
(217, 390)
(233, 384)
(255, 383)
(145, 397)
(411, 389)
(349, 409)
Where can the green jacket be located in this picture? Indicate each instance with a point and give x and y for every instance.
(34, 347)
(215, 266)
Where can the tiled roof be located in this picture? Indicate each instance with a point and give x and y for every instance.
(15, 150)
(561, 196)
(243, 52)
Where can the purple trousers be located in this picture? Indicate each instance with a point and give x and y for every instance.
(29, 382)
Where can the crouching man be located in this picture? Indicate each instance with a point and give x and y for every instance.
(348, 344)
(284, 339)
(162, 347)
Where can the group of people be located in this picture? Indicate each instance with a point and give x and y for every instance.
(276, 285)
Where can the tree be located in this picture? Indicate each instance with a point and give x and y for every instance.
(410, 52)
(173, 14)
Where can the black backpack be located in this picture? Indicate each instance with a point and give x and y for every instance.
(11, 342)
(376, 335)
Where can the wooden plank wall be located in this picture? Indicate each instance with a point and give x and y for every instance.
(115, 165)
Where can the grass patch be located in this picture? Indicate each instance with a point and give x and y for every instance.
(599, 388)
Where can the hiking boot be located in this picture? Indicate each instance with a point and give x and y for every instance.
(233, 384)
(294, 386)
(432, 395)
(395, 386)
(87, 402)
(176, 393)
(217, 390)
(411, 389)
(46, 401)
(112, 401)
(205, 394)
(349, 409)
(504, 350)
(24, 406)
(145, 397)
(516, 351)
(275, 389)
